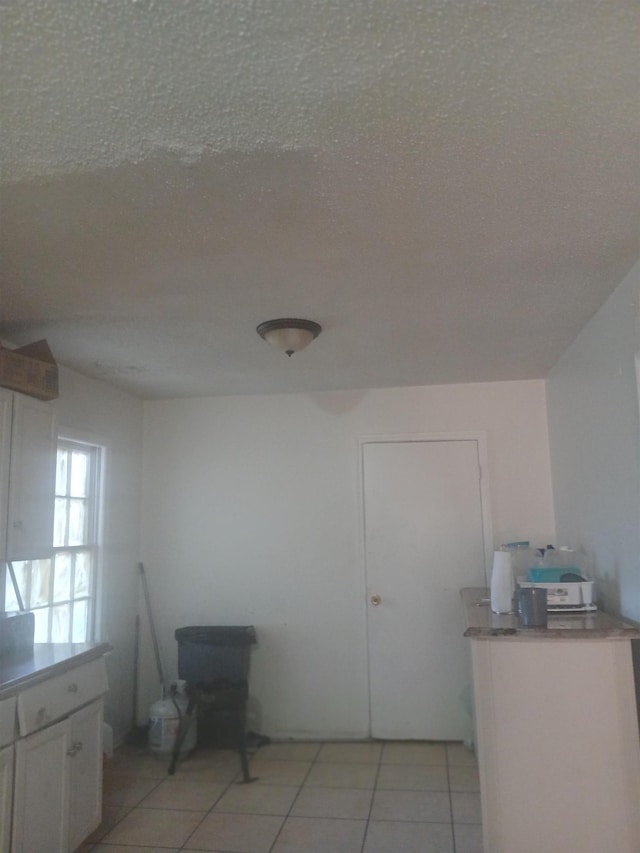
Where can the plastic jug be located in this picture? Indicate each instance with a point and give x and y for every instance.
(502, 583)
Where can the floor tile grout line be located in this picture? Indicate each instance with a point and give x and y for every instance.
(293, 802)
(127, 813)
(214, 804)
(453, 828)
(373, 796)
(314, 762)
(160, 781)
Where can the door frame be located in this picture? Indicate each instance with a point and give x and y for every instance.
(479, 436)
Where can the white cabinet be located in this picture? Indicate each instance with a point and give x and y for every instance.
(7, 721)
(557, 731)
(57, 784)
(27, 475)
(6, 797)
(7, 736)
(558, 746)
(41, 793)
(85, 785)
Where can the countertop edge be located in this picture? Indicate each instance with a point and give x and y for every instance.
(47, 660)
(482, 624)
(551, 633)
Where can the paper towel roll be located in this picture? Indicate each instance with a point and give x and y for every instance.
(501, 583)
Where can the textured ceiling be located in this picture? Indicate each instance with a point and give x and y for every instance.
(450, 188)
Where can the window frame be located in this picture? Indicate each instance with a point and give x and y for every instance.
(69, 440)
(92, 543)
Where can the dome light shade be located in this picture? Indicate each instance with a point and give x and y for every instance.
(288, 334)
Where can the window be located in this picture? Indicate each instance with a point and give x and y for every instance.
(61, 591)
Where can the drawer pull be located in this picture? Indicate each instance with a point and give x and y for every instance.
(72, 688)
(75, 748)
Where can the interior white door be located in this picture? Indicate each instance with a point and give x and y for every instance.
(424, 541)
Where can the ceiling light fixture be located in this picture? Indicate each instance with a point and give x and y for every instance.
(288, 334)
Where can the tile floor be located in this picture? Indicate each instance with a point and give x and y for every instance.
(370, 797)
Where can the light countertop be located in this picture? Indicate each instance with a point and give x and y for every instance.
(481, 623)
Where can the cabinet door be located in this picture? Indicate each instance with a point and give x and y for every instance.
(41, 793)
(31, 480)
(6, 407)
(86, 772)
(6, 797)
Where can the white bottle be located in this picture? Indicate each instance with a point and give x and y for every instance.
(502, 583)
(164, 723)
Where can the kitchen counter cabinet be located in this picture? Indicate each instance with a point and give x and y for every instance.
(41, 792)
(46, 661)
(557, 734)
(56, 784)
(7, 737)
(6, 797)
(85, 783)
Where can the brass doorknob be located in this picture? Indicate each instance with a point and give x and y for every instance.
(375, 599)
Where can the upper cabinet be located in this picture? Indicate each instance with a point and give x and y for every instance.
(27, 476)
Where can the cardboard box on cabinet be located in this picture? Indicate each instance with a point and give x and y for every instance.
(31, 370)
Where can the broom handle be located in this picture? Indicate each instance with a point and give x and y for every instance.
(154, 637)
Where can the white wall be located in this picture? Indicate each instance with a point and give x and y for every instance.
(101, 412)
(594, 431)
(251, 514)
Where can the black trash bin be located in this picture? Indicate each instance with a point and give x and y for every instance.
(214, 661)
(209, 653)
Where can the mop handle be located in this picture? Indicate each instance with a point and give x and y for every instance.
(154, 637)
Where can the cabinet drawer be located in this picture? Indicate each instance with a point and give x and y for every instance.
(48, 701)
(7, 720)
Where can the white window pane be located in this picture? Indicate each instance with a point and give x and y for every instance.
(80, 622)
(79, 474)
(40, 577)
(60, 591)
(60, 621)
(62, 577)
(82, 580)
(60, 523)
(61, 472)
(20, 570)
(77, 522)
(41, 631)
